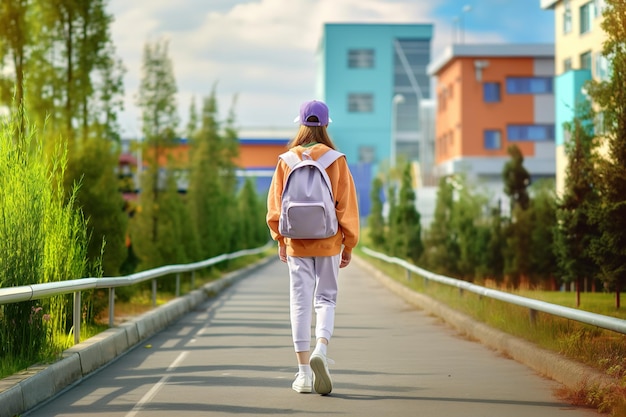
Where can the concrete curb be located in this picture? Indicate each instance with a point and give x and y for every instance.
(38, 384)
(569, 373)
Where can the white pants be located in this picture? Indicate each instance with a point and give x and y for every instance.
(313, 282)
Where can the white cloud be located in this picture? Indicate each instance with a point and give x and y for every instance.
(262, 51)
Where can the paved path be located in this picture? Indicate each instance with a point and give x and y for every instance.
(233, 356)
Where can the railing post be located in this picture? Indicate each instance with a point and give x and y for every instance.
(154, 293)
(111, 306)
(178, 285)
(408, 274)
(533, 316)
(76, 317)
(193, 280)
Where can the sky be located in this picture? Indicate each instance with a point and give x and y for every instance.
(259, 55)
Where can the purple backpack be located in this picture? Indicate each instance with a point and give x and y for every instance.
(308, 205)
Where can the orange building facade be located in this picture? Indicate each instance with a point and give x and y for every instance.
(258, 155)
(488, 98)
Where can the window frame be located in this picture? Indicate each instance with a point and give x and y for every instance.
(360, 103)
(529, 85)
(586, 60)
(567, 17)
(492, 95)
(496, 139)
(528, 132)
(361, 58)
(567, 64)
(587, 15)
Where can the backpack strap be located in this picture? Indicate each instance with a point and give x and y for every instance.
(325, 160)
(329, 157)
(290, 158)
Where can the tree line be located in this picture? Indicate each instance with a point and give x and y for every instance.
(63, 215)
(542, 238)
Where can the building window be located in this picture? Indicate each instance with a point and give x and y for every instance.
(530, 132)
(587, 13)
(360, 103)
(361, 58)
(529, 85)
(601, 67)
(491, 92)
(567, 16)
(585, 60)
(492, 139)
(411, 57)
(567, 64)
(599, 6)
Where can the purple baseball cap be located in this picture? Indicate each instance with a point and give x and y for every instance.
(313, 108)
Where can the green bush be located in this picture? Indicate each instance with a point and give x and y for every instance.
(42, 239)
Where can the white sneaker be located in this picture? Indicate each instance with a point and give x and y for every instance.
(322, 382)
(303, 383)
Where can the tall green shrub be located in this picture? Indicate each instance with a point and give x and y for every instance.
(440, 242)
(376, 219)
(392, 237)
(251, 229)
(212, 182)
(575, 229)
(609, 249)
(466, 226)
(516, 179)
(543, 260)
(42, 239)
(407, 220)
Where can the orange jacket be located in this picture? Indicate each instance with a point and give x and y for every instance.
(347, 207)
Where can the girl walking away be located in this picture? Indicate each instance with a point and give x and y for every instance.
(313, 262)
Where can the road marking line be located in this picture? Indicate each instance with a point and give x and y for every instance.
(152, 392)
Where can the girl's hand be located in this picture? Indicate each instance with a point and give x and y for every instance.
(345, 259)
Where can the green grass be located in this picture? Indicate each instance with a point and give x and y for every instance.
(595, 302)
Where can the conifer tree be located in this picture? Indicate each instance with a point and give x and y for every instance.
(229, 144)
(516, 179)
(407, 220)
(492, 264)
(16, 41)
(175, 229)
(213, 182)
(392, 238)
(99, 198)
(517, 249)
(205, 188)
(157, 101)
(575, 229)
(440, 242)
(466, 223)
(543, 217)
(609, 249)
(376, 220)
(251, 229)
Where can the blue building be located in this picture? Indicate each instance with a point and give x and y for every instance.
(373, 78)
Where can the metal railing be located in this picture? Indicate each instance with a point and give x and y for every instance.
(599, 320)
(10, 295)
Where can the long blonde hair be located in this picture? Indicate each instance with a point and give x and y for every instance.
(311, 134)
